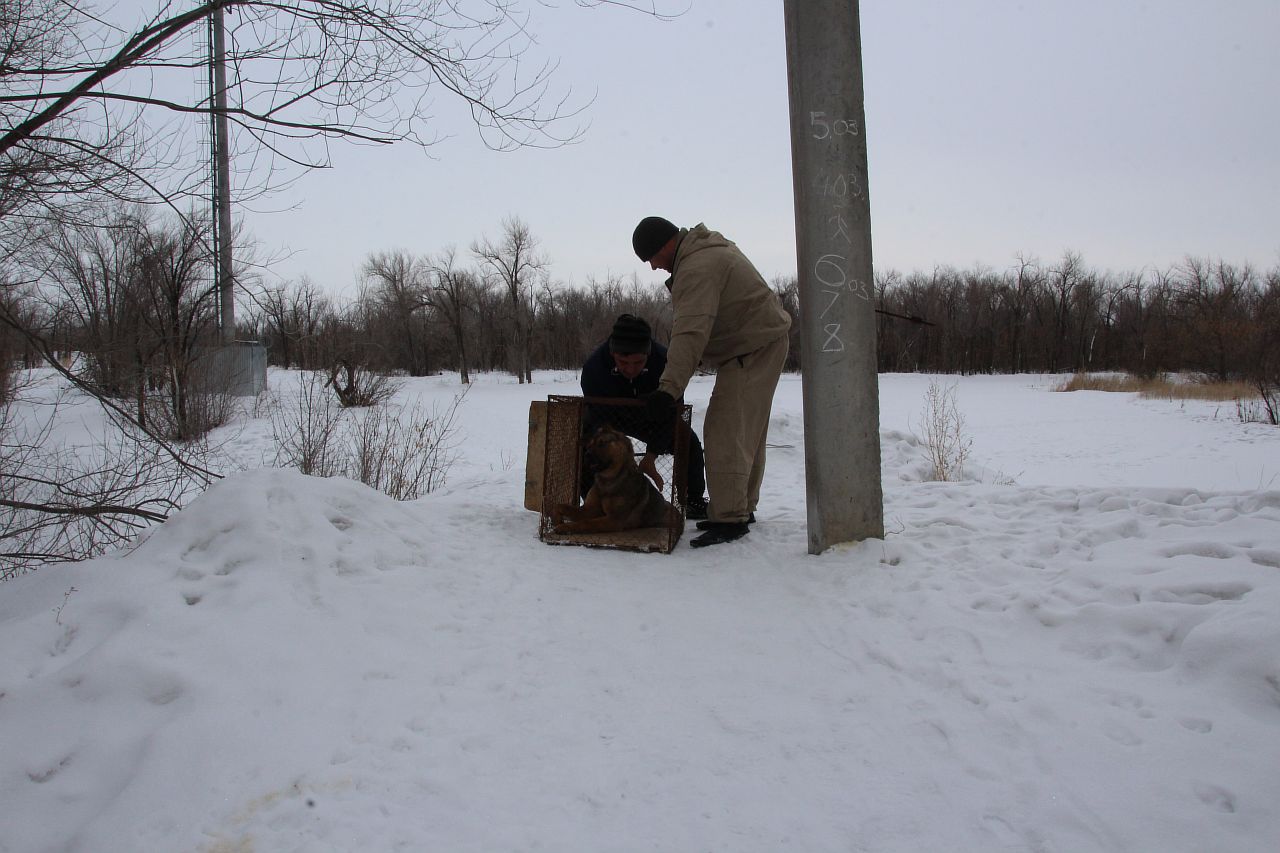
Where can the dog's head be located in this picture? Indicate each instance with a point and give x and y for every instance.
(608, 449)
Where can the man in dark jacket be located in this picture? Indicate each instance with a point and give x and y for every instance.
(628, 365)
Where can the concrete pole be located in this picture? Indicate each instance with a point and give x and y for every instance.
(837, 290)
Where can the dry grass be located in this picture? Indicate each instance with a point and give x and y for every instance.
(1161, 387)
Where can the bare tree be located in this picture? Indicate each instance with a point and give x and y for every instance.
(292, 315)
(453, 295)
(398, 287)
(514, 262)
(491, 337)
(91, 273)
(14, 353)
(178, 297)
(1264, 342)
(1020, 294)
(95, 106)
(1214, 297)
(1114, 295)
(1062, 283)
(299, 73)
(59, 504)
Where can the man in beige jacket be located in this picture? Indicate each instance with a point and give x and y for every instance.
(728, 319)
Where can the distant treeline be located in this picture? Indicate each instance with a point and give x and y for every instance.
(1201, 316)
(137, 300)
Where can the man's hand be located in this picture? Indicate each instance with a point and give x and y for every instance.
(659, 406)
(651, 470)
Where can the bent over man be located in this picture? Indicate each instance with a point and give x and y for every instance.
(726, 317)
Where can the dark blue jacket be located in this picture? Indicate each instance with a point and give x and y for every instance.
(601, 379)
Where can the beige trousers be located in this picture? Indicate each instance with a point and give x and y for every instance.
(736, 427)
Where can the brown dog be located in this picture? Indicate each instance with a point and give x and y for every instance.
(621, 498)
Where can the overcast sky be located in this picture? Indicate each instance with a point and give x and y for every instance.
(1135, 133)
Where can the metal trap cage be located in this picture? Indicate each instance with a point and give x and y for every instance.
(569, 422)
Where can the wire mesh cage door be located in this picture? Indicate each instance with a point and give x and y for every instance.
(567, 477)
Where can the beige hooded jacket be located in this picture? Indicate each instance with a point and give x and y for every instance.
(723, 308)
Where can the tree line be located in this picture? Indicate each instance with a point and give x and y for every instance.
(134, 297)
(1203, 316)
(498, 306)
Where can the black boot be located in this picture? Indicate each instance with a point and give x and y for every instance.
(707, 525)
(718, 532)
(696, 508)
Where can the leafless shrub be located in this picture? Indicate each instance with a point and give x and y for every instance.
(1265, 373)
(405, 458)
(402, 454)
(201, 413)
(307, 429)
(1265, 409)
(1270, 393)
(359, 387)
(265, 404)
(944, 433)
(1252, 412)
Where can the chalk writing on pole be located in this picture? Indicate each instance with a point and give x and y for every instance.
(829, 271)
(842, 190)
(841, 187)
(824, 128)
(835, 297)
(840, 228)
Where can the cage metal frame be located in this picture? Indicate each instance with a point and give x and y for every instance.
(567, 421)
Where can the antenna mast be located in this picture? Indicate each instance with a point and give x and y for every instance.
(221, 176)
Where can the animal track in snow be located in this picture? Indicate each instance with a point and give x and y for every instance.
(1197, 724)
(1209, 550)
(1216, 798)
(1120, 733)
(1130, 702)
(49, 771)
(164, 691)
(1201, 594)
(1262, 557)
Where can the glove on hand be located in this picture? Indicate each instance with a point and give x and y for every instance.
(659, 406)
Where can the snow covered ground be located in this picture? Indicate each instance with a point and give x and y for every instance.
(1085, 659)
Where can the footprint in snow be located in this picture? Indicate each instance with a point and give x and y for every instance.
(1218, 799)
(1197, 724)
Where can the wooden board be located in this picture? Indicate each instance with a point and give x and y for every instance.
(535, 458)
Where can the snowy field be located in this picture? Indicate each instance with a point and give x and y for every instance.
(1075, 649)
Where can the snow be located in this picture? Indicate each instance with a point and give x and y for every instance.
(1076, 649)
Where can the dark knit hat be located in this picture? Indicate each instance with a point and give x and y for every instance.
(650, 235)
(630, 335)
